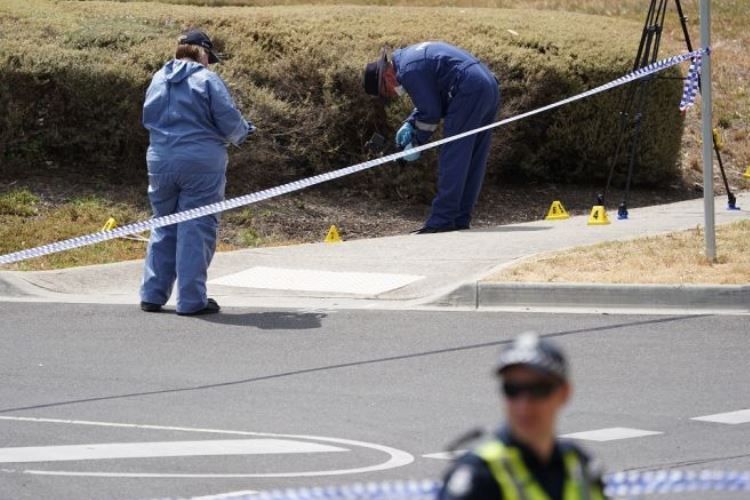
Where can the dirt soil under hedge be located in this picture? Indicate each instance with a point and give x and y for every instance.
(306, 216)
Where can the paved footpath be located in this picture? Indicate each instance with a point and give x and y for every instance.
(401, 272)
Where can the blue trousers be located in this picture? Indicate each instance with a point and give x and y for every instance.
(181, 252)
(462, 163)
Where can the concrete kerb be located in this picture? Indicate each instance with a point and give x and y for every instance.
(481, 294)
(12, 286)
(695, 298)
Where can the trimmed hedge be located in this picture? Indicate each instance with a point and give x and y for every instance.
(71, 89)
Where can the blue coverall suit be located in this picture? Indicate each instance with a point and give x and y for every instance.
(447, 82)
(191, 118)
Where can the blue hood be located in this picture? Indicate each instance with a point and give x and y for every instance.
(177, 70)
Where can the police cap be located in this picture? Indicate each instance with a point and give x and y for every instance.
(528, 349)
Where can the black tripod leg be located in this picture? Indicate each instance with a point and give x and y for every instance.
(643, 48)
(624, 116)
(648, 49)
(731, 199)
(622, 210)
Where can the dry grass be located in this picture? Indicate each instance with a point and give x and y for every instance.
(675, 258)
(26, 220)
(29, 219)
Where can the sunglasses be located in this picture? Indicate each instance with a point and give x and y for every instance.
(534, 390)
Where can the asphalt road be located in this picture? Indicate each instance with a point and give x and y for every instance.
(331, 397)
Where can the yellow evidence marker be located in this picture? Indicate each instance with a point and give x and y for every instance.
(110, 224)
(333, 236)
(598, 216)
(557, 212)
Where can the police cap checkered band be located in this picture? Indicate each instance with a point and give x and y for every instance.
(529, 349)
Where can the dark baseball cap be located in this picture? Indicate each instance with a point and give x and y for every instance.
(198, 37)
(373, 80)
(528, 349)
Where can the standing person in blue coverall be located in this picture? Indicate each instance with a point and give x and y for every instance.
(191, 119)
(444, 82)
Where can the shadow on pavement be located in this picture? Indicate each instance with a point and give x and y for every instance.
(508, 229)
(269, 320)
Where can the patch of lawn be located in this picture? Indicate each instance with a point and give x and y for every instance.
(674, 258)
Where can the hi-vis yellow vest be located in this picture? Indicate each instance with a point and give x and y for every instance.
(517, 483)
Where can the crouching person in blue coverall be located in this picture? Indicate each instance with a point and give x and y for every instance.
(191, 118)
(444, 82)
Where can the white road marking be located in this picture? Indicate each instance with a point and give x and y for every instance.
(397, 458)
(732, 417)
(610, 434)
(101, 451)
(316, 281)
(229, 495)
(445, 455)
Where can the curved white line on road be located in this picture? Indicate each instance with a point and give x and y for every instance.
(398, 458)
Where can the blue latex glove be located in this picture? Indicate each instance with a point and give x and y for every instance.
(414, 156)
(404, 135)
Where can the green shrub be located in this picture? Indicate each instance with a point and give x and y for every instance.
(249, 238)
(21, 202)
(72, 88)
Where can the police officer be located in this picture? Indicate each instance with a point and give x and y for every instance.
(444, 82)
(191, 119)
(524, 460)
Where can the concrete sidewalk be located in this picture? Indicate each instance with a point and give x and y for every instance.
(411, 271)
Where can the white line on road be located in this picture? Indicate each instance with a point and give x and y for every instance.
(230, 495)
(133, 426)
(732, 417)
(445, 455)
(102, 451)
(397, 458)
(610, 434)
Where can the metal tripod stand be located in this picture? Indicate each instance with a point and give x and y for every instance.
(631, 118)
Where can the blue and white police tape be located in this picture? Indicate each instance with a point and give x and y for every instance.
(413, 490)
(692, 83)
(618, 485)
(634, 483)
(298, 185)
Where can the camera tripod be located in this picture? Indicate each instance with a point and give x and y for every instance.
(631, 117)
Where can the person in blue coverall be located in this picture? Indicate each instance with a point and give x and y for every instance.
(191, 119)
(444, 82)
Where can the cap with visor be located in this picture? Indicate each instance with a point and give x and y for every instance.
(530, 350)
(200, 38)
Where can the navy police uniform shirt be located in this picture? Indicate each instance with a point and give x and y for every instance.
(471, 479)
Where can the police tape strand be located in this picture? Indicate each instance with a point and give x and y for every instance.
(167, 220)
(617, 485)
